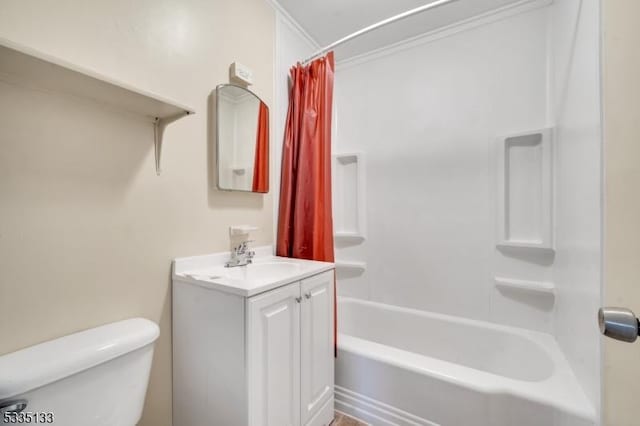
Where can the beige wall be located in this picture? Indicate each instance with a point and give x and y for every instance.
(621, 73)
(87, 229)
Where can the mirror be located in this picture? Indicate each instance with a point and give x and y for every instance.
(242, 140)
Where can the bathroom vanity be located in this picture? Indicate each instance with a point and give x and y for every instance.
(253, 345)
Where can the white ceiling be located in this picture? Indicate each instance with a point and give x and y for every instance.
(328, 20)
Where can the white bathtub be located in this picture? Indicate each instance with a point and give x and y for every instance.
(399, 366)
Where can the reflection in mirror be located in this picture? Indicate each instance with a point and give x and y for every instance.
(242, 140)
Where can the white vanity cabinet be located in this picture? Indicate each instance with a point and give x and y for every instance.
(273, 351)
(290, 354)
(263, 359)
(317, 350)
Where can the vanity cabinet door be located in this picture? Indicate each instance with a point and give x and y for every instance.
(273, 351)
(317, 352)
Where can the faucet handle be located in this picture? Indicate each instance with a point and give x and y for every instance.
(245, 244)
(242, 247)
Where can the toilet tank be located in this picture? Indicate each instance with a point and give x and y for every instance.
(97, 377)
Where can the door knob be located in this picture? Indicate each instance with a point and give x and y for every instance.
(618, 323)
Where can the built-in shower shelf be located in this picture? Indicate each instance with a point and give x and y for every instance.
(238, 170)
(525, 190)
(350, 266)
(542, 287)
(533, 244)
(24, 66)
(349, 236)
(349, 205)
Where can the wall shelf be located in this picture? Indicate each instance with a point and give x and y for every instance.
(25, 66)
(541, 287)
(525, 190)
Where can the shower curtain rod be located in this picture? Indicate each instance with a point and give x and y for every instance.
(377, 25)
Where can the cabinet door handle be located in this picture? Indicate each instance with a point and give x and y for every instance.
(307, 295)
(298, 299)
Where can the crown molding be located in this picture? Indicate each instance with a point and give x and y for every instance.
(446, 31)
(291, 22)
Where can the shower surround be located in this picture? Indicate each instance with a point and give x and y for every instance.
(427, 117)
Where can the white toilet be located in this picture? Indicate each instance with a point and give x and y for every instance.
(96, 377)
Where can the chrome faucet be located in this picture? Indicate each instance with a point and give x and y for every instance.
(240, 255)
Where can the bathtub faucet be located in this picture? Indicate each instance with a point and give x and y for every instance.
(240, 255)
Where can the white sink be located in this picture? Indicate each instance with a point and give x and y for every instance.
(265, 273)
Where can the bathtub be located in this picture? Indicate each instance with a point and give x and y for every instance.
(399, 366)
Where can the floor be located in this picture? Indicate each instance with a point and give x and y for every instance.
(344, 420)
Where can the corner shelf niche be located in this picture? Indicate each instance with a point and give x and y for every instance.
(349, 205)
(25, 66)
(525, 190)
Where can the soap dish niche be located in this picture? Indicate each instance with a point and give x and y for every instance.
(349, 205)
(525, 190)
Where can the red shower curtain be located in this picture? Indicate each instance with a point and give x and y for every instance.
(261, 161)
(305, 222)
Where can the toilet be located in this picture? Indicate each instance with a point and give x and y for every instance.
(96, 377)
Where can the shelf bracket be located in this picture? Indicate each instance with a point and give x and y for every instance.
(159, 124)
(157, 142)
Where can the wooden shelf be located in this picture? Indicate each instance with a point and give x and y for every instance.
(28, 67)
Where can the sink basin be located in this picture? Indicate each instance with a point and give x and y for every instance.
(261, 271)
(266, 272)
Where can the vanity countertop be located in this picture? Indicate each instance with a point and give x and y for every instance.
(265, 273)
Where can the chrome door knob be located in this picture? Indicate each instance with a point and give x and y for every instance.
(618, 323)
